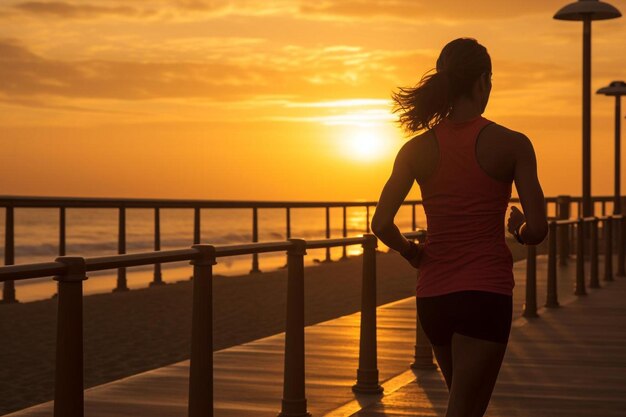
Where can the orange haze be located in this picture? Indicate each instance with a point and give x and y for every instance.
(276, 99)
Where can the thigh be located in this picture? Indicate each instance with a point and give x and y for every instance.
(477, 363)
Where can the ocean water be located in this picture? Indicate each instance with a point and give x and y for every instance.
(93, 232)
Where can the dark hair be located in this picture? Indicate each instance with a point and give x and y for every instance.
(459, 65)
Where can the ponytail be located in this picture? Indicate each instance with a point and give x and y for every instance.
(459, 65)
(425, 105)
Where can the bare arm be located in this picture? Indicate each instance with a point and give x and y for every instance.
(394, 193)
(530, 193)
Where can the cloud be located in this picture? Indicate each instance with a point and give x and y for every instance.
(78, 11)
(331, 72)
(167, 9)
(48, 104)
(418, 10)
(300, 78)
(414, 11)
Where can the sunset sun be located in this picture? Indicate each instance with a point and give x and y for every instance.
(365, 145)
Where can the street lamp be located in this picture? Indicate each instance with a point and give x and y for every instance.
(616, 89)
(586, 11)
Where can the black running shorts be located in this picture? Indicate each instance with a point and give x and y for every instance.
(480, 314)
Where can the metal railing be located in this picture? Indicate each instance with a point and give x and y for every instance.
(71, 271)
(561, 207)
(560, 238)
(10, 203)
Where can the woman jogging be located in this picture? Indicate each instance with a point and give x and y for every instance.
(465, 166)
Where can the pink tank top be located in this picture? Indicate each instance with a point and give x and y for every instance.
(465, 247)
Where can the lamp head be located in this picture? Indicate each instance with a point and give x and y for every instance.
(616, 88)
(587, 9)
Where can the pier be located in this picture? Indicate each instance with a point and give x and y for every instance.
(567, 361)
(362, 362)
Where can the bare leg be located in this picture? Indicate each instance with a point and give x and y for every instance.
(476, 366)
(443, 354)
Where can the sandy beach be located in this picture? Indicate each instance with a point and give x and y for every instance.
(131, 332)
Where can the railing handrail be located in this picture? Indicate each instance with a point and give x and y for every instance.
(106, 202)
(114, 202)
(32, 270)
(587, 219)
(46, 269)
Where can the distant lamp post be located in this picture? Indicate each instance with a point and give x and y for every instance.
(586, 11)
(616, 89)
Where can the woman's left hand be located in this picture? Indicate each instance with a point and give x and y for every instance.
(416, 260)
(515, 219)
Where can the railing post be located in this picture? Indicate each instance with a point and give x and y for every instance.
(593, 279)
(62, 239)
(367, 374)
(8, 290)
(288, 230)
(580, 258)
(121, 249)
(608, 249)
(201, 359)
(620, 246)
(68, 384)
(530, 306)
(61, 231)
(345, 232)
(423, 358)
(294, 398)
(563, 213)
(413, 218)
(196, 226)
(552, 299)
(367, 219)
(327, 259)
(255, 238)
(158, 277)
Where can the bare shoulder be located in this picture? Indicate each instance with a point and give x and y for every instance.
(420, 152)
(515, 145)
(511, 137)
(423, 139)
(500, 150)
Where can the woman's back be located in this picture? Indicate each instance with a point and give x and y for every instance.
(466, 186)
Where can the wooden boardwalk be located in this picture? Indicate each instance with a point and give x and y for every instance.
(569, 362)
(248, 377)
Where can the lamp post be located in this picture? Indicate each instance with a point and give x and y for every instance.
(587, 11)
(616, 89)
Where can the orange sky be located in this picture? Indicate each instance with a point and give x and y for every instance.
(273, 99)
